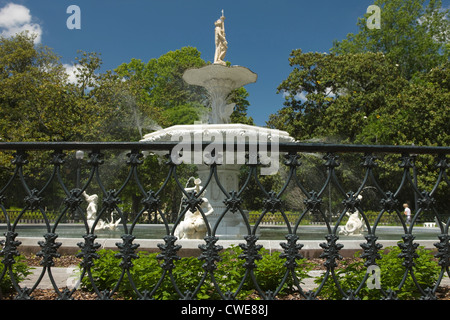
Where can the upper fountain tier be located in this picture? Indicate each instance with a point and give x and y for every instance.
(219, 81)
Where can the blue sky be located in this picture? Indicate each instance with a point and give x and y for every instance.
(260, 34)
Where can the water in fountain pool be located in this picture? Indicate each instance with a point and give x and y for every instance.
(151, 231)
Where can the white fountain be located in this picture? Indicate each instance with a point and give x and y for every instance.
(219, 81)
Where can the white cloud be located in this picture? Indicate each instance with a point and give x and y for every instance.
(15, 18)
(301, 96)
(71, 71)
(329, 92)
(13, 14)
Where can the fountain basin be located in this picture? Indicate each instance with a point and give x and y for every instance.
(231, 77)
(149, 236)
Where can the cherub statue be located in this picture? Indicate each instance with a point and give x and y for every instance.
(91, 211)
(193, 226)
(354, 225)
(91, 214)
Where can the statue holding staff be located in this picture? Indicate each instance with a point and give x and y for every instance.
(220, 40)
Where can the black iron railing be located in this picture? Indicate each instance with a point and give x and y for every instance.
(36, 176)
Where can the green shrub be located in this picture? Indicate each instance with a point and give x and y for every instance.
(20, 272)
(146, 273)
(268, 275)
(350, 276)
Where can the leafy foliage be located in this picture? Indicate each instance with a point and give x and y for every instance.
(188, 272)
(39, 103)
(414, 34)
(392, 272)
(160, 85)
(362, 98)
(35, 103)
(20, 271)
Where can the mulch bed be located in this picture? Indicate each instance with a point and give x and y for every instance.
(443, 293)
(62, 262)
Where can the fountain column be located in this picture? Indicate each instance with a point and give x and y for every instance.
(232, 225)
(219, 81)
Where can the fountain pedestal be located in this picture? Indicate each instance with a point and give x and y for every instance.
(232, 225)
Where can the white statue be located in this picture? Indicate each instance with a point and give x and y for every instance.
(220, 40)
(91, 214)
(354, 225)
(91, 211)
(193, 226)
(111, 225)
(152, 216)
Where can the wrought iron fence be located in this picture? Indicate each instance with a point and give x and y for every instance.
(395, 167)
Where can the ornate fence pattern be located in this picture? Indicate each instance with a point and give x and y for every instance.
(405, 160)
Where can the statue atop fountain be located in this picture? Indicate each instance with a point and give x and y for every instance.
(194, 226)
(220, 40)
(218, 79)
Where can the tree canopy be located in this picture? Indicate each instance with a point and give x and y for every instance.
(413, 34)
(372, 89)
(362, 98)
(39, 103)
(36, 104)
(387, 86)
(160, 85)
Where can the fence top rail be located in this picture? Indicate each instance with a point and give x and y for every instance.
(282, 146)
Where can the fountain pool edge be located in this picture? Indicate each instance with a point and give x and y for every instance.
(310, 249)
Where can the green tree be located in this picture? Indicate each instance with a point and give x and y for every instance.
(413, 34)
(333, 97)
(33, 95)
(239, 115)
(377, 86)
(38, 103)
(161, 86)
